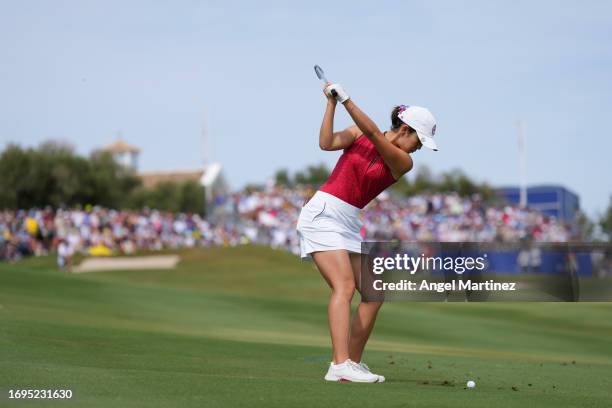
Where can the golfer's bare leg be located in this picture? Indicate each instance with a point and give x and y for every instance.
(335, 266)
(364, 318)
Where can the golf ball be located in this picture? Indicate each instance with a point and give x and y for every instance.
(471, 384)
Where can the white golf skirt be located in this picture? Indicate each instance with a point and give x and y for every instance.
(327, 223)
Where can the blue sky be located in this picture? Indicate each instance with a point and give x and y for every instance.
(83, 71)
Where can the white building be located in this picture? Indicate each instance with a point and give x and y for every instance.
(209, 176)
(124, 154)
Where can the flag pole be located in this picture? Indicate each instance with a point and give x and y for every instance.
(522, 164)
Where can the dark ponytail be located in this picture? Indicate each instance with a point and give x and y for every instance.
(396, 122)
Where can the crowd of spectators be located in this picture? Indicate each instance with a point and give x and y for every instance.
(267, 218)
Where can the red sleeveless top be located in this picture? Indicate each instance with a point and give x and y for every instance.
(360, 174)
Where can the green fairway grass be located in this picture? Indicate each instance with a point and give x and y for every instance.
(247, 326)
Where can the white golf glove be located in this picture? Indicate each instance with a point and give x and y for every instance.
(341, 95)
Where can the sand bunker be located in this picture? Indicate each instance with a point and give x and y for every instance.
(127, 263)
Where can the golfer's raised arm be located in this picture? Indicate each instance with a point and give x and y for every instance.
(398, 161)
(328, 140)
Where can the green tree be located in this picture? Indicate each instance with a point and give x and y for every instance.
(192, 197)
(584, 226)
(423, 181)
(282, 178)
(164, 196)
(54, 175)
(15, 168)
(314, 175)
(109, 183)
(170, 196)
(453, 181)
(402, 186)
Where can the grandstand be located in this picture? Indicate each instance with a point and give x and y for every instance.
(553, 200)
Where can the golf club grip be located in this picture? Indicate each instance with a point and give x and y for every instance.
(334, 93)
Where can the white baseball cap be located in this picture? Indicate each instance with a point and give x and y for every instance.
(421, 120)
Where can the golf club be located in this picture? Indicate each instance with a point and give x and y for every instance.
(321, 75)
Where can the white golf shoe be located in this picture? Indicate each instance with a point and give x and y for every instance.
(349, 371)
(364, 366)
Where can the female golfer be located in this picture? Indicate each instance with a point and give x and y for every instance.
(329, 225)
